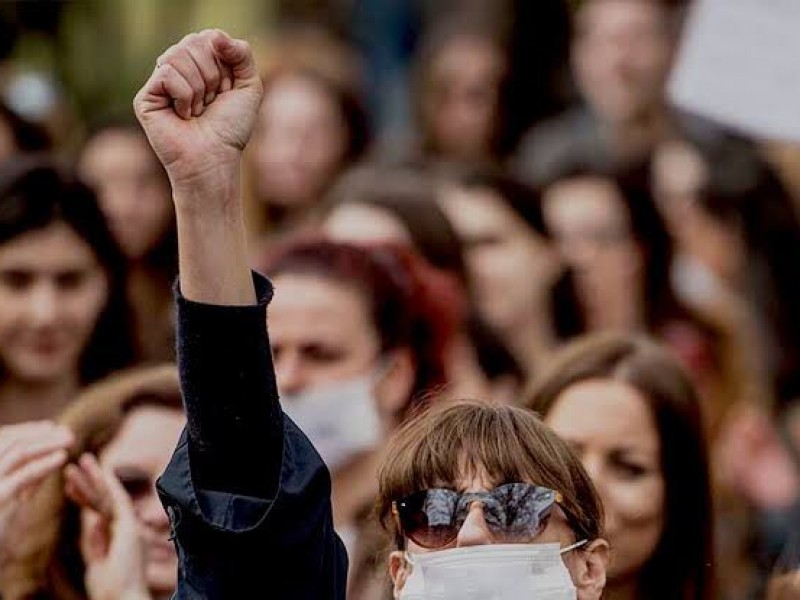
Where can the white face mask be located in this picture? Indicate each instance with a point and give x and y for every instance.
(341, 419)
(491, 572)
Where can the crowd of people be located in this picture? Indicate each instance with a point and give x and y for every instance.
(259, 339)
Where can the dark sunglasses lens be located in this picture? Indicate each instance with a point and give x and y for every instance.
(526, 508)
(427, 517)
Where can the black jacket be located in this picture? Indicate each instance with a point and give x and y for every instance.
(247, 495)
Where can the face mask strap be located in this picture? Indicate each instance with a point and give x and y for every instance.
(573, 546)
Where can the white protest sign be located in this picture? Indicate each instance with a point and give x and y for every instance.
(739, 64)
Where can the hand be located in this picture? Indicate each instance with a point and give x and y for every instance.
(111, 544)
(29, 452)
(199, 107)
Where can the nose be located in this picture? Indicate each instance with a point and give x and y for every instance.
(43, 305)
(151, 513)
(474, 531)
(290, 373)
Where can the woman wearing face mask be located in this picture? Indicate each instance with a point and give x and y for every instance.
(111, 541)
(248, 497)
(633, 416)
(63, 313)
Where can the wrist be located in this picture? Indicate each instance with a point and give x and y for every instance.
(207, 185)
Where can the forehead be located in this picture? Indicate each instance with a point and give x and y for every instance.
(116, 149)
(54, 247)
(589, 200)
(294, 96)
(616, 15)
(362, 223)
(474, 211)
(605, 412)
(146, 439)
(309, 307)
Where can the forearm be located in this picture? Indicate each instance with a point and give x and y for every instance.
(212, 244)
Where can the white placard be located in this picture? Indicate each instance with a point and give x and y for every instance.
(739, 64)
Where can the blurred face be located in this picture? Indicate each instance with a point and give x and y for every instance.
(321, 332)
(361, 223)
(512, 267)
(612, 429)
(679, 175)
(299, 142)
(592, 227)
(621, 57)
(132, 189)
(138, 455)
(52, 290)
(460, 107)
(476, 532)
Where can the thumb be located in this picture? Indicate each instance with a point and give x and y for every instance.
(236, 55)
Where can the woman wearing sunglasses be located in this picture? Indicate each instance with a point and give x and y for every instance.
(247, 495)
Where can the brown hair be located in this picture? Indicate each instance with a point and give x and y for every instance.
(49, 563)
(680, 567)
(436, 447)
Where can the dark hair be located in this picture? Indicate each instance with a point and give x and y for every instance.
(410, 196)
(162, 259)
(680, 567)
(526, 203)
(27, 136)
(412, 305)
(36, 193)
(649, 232)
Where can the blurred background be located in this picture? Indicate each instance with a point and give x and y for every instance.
(526, 149)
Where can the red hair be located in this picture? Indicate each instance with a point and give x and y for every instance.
(411, 304)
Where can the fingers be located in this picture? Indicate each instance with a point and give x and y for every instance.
(86, 486)
(31, 474)
(236, 54)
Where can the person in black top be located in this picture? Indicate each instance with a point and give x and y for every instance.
(247, 495)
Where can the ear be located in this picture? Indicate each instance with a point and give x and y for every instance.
(588, 569)
(398, 571)
(394, 387)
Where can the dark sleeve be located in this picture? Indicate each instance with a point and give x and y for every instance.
(247, 495)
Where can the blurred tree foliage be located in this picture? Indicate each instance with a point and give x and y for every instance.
(102, 50)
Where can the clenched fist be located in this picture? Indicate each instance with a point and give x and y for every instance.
(199, 107)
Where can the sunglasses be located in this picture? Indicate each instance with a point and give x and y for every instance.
(514, 512)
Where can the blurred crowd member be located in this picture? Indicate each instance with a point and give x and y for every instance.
(112, 539)
(740, 236)
(614, 239)
(784, 587)
(134, 194)
(461, 92)
(18, 135)
(631, 413)
(621, 54)
(359, 338)
(63, 312)
(381, 204)
(310, 128)
(758, 457)
(521, 288)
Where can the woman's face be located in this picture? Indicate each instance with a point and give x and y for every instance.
(299, 142)
(138, 455)
(131, 187)
(52, 291)
(461, 104)
(593, 231)
(513, 269)
(321, 332)
(361, 223)
(476, 532)
(612, 429)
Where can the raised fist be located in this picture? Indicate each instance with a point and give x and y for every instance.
(199, 106)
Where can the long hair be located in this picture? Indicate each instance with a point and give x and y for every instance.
(36, 193)
(680, 567)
